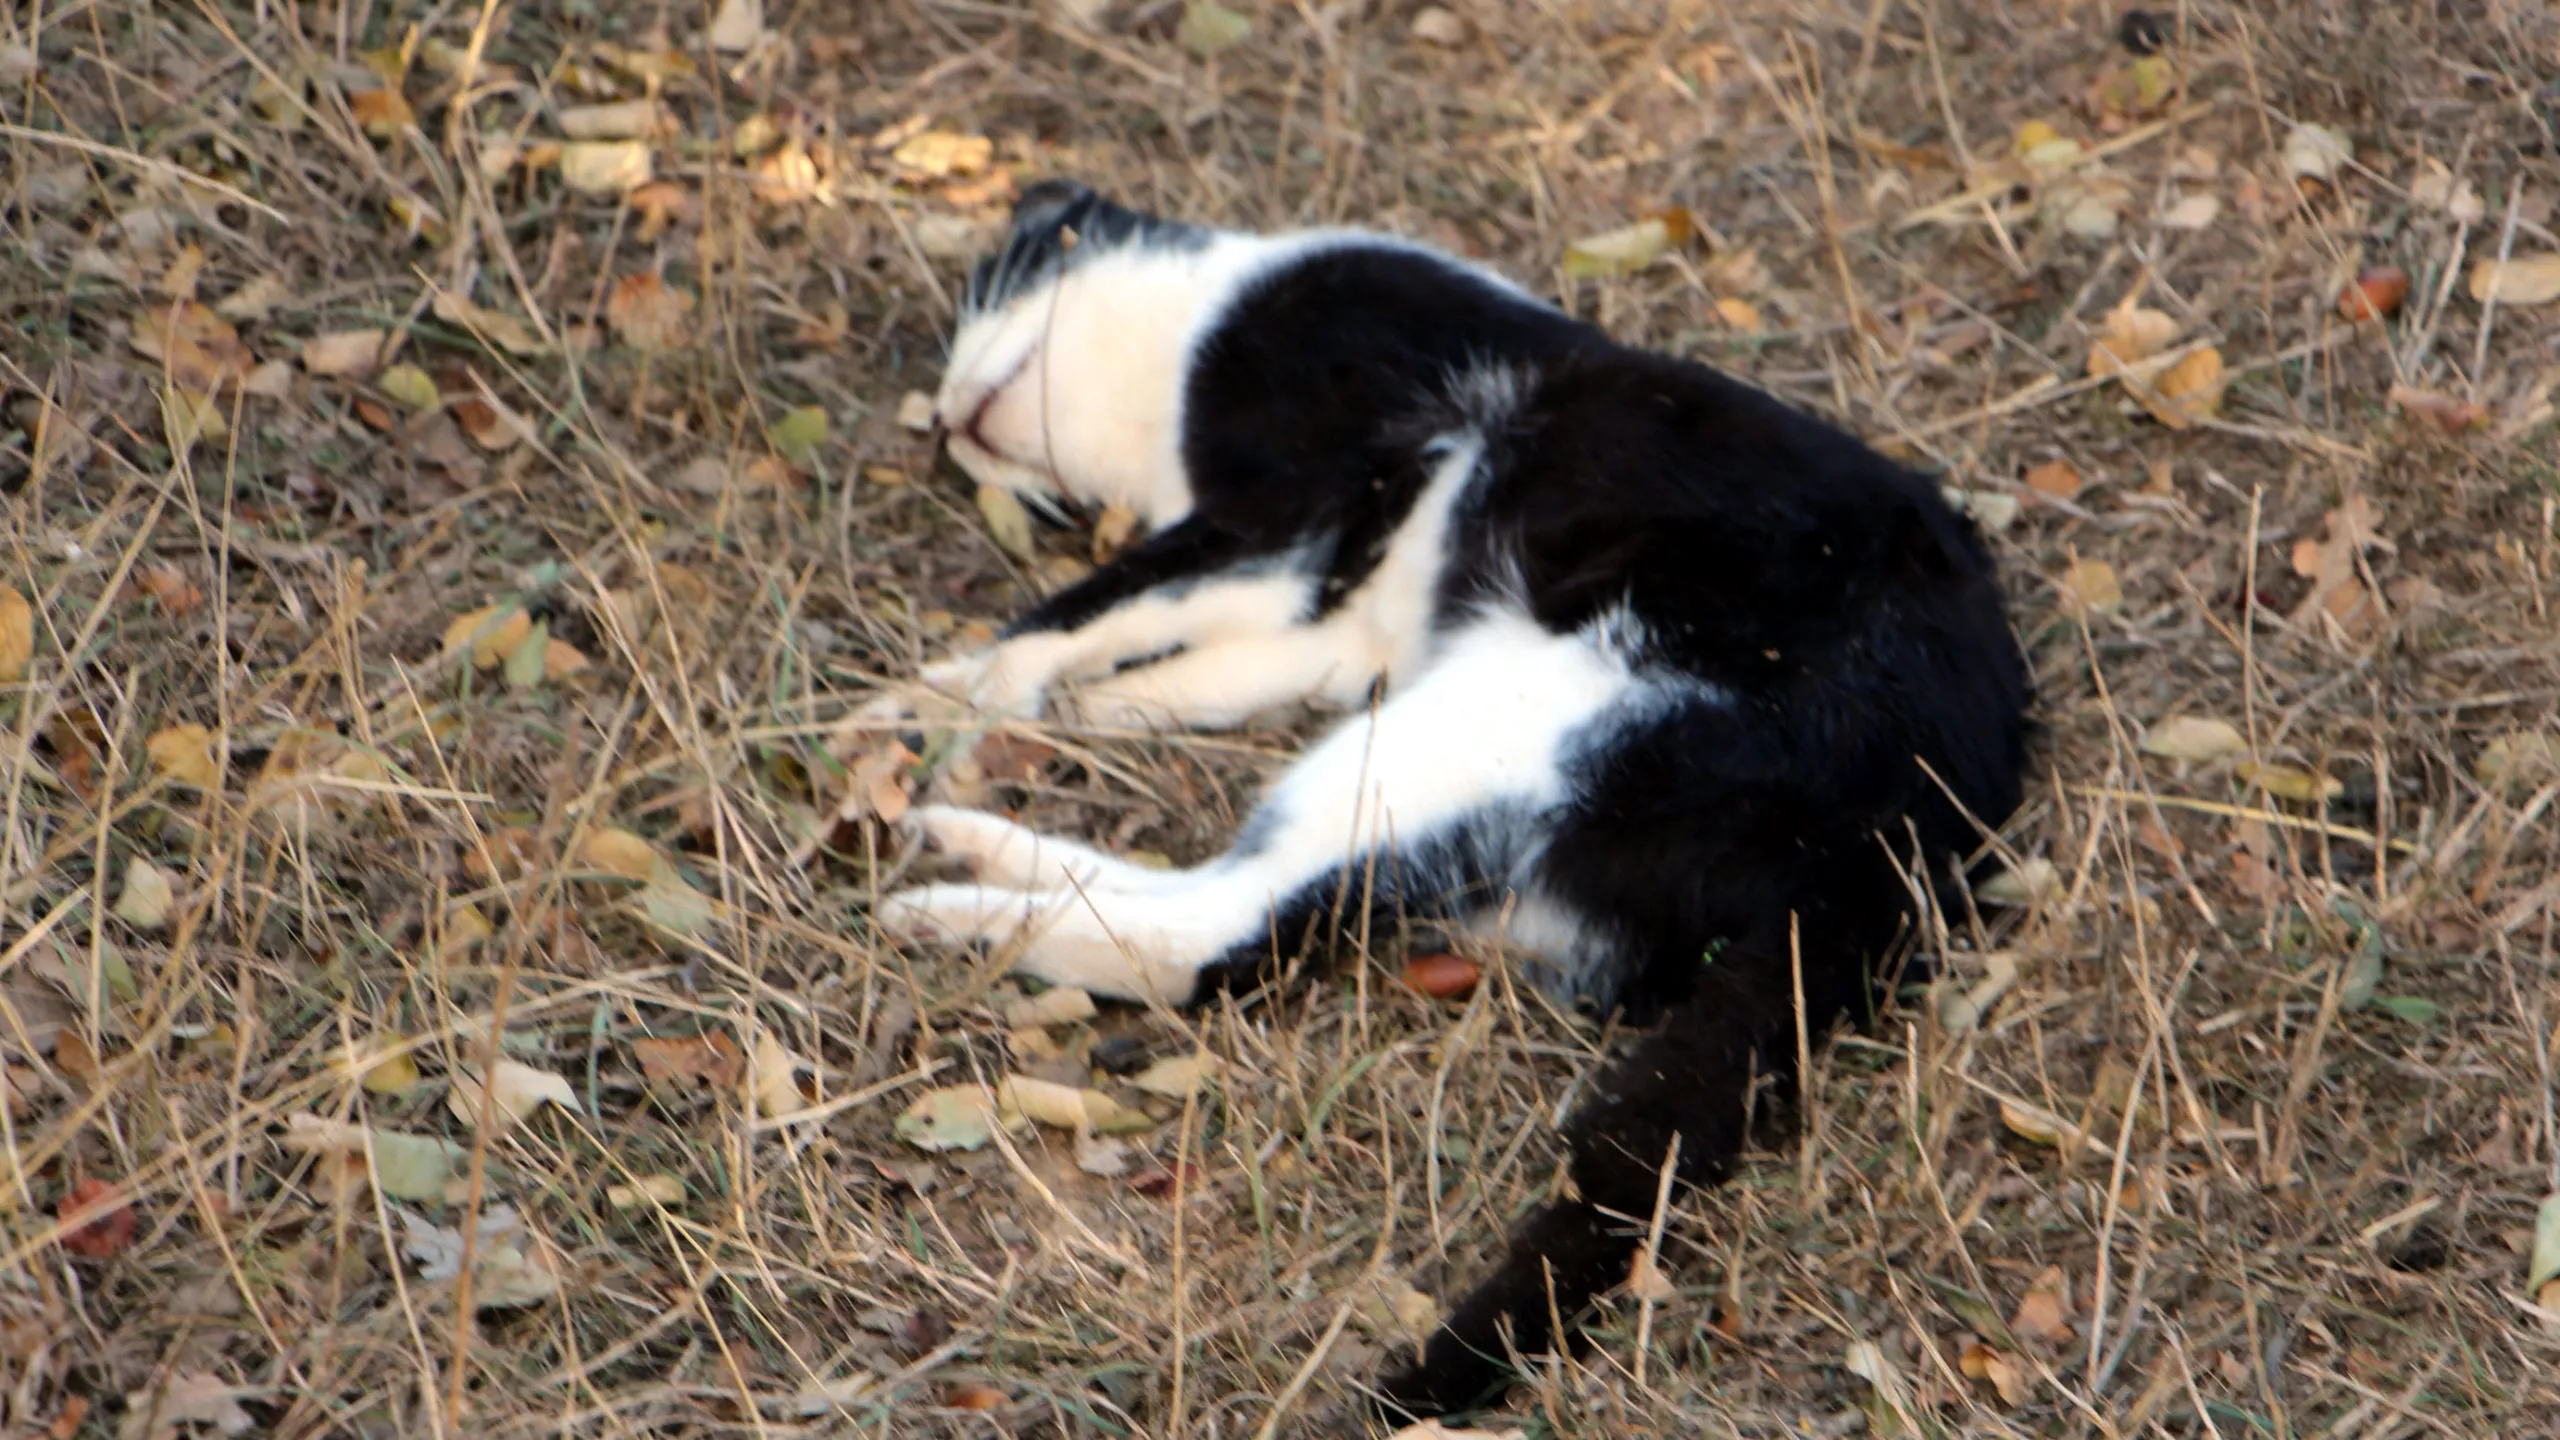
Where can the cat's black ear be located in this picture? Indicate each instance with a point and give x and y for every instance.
(1049, 202)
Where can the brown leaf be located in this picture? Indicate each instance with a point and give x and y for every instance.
(2186, 392)
(649, 313)
(659, 204)
(2092, 585)
(101, 1224)
(2518, 280)
(382, 113)
(2376, 294)
(169, 586)
(509, 333)
(17, 635)
(184, 753)
(343, 352)
(2057, 478)
(2044, 1315)
(713, 1058)
(1442, 977)
(199, 349)
(2446, 413)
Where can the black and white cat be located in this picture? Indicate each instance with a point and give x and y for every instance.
(1675, 679)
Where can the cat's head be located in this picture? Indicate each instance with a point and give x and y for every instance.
(1066, 367)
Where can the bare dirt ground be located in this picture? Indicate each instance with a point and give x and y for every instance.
(2232, 1118)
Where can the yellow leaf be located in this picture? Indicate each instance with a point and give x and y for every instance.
(777, 1076)
(405, 1167)
(798, 433)
(942, 152)
(395, 1074)
(1622, 251)
(1007, 521)
(184, 753)
(2130, 334)
(343, 352)
(955, 1117)
(493, 632)
(2186, 392)
(1208, 28)
(2041, 1126)
(1742, 315)
(2092, 585)
(658, 1189)
(615, 120)
(604, 168)
(2194, 737)
(619, 852)
(2286, 782)
(464, 927)
(17, 635)
(147, 897)
(2518, 280)
(409, 385)
(1064, 1005)
(2057, 478)
(1178, 1076)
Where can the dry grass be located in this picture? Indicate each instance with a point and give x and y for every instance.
(2278, 1211)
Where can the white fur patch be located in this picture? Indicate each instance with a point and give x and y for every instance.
(1485, 727)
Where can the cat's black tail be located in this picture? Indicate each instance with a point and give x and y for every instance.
(1691, 1076)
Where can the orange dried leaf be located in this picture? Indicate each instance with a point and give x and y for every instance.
(199, 349)
(2057, 478)
(1442, 977)
(382, 113)
(2092, 585)
(184, 753)
(2045, 1314)
(2443, 411)
(2376, 293)
(648, 313)
(714, 1058)
(619, 852)
(170, 588)
(100, 1224)
(17, 635)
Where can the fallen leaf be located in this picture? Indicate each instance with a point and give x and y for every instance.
(1157, 1181)
(197, 349)
(2091, 585)
(1178, 1076)
(2044, 1314)
(2375, 295)
(2057, 478)
(2194, 738)
(2287, 782)
(658, 1189)
(604, 168)
(648, 313)
(410, 386)
(2518, 758)
(2129, 335)
(713, 1058)
(253, 300)
(1628, 249)
(2192, 212)
(613, 120)
(737, 25)
(147, 896)
(972, 1395)
(2443, 411)
(1436, 26)
(189, 1398)
(1060, 1005)
(2186, 392)
(1740, 314)
(1992, 510)
(955, 1117)
(184, 753)
(405, 1167)
(1007, 522)
(169, 588)
(2517, 280)
(2542, 1264)
(2007, 1376)
(393, 1074)
(915, 412)
(17, 635)
(659, 204)
(1208, 28)
(510, 333)
(877, 784)
(797, 434)
(492, 632)
(382, 113)
(1442, 977)
(777, 1076)
(2316, 152)
(2436, 188)
(99, 1224)
(343, 352)
(507, 1269)
(2020, 885)
(516, 1090)
(938, 153)
(1106, 1156)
